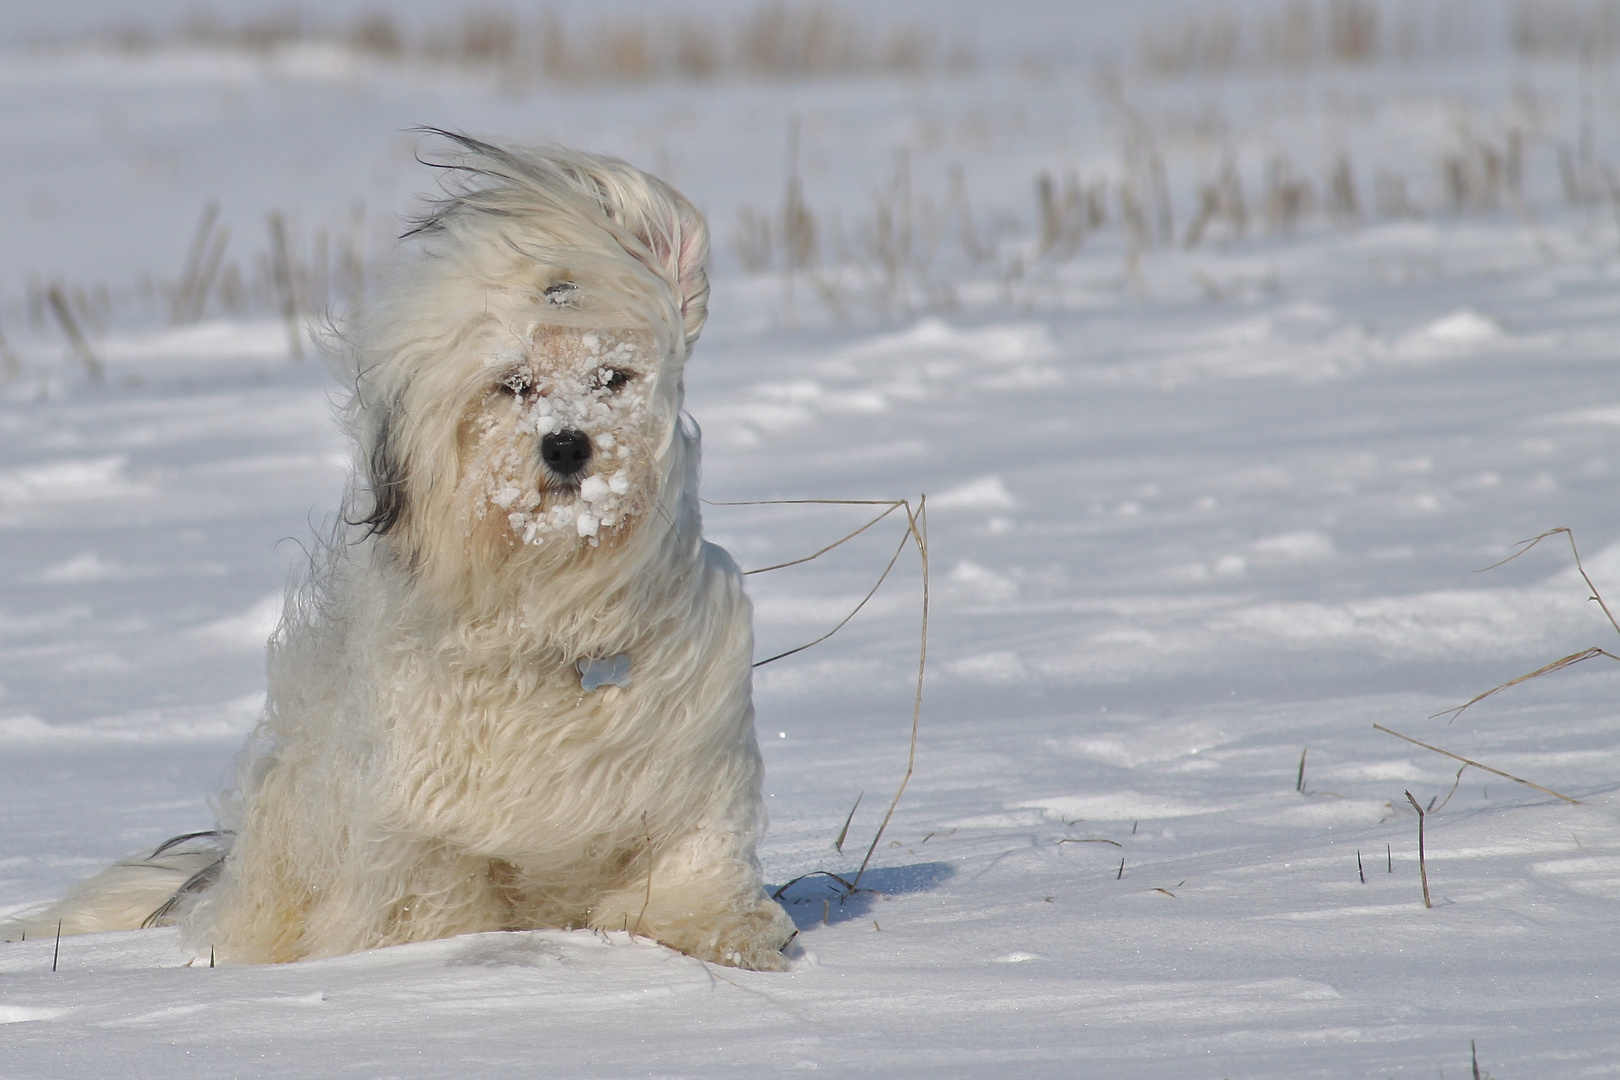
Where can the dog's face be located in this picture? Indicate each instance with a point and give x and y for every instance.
(521, 388)
(564, 447)
(543, 435)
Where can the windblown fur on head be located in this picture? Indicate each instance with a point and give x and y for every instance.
(589, 203)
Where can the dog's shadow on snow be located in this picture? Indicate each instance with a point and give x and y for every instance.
(821, 897)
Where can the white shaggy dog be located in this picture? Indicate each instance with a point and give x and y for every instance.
(515, 690)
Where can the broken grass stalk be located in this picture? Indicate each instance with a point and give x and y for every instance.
(898, 551)
(647, 902)
(281, 273)
(780, 889)
(70, 328)
(838, 845)
(917, 529)
(892, 507)
(181, 305)
(1454, 785)
(1557, 665)
(917, 534)
(1563, 662)
(1477, 765)
(1423, 869)
(10, 362)
(1525, 545)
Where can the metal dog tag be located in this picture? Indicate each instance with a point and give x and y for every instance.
(597, 671)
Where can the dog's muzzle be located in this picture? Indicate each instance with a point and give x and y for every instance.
(566, 453)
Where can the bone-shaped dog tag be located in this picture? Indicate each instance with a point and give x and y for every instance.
(596, 671)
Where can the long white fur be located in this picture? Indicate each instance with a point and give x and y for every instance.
(429, 763)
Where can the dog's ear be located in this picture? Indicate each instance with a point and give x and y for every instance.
(676, 235)
(691, 255)
(385, 476)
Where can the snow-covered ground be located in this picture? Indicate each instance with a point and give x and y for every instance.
(1193, 509)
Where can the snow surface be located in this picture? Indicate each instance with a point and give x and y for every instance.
(1187, 520)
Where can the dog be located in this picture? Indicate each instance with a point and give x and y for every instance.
(513, 689)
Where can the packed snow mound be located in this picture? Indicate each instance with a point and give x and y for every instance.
(985, 493)
(1460, 333)
(217, 341)
(70, 479)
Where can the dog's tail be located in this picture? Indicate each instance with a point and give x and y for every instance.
(148, 889)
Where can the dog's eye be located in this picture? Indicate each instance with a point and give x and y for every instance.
(563, 294)
(516, 383)
(611, 379)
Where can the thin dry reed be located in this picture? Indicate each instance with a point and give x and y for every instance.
(1423, 862)
(1562, 662)
(55, 298)
(1476, 764)
(916, 535)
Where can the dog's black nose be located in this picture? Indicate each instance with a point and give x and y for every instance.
(566, 453)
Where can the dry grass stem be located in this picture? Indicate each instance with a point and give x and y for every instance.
(180, 308)
(1299, 784)
(780, 889)
(1089, 840)
(1423, 868)
(916, 534)
(646, 903)
(10, 363)
(1449, 794)
(281, 273)
(1526, 545)
(815, 555)
(70, 329)
(838, 845)
(203, 261)
(1477, 765)
(898, 551)
(1557, 665)
(917, 526)
(1561, 662)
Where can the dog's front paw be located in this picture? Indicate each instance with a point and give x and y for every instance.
(752, 939)
(757, 961)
